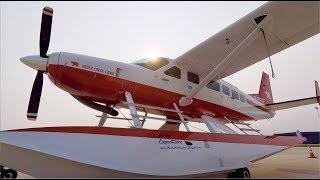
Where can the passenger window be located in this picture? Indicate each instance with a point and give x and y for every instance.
(173, 72)
(234, 95)
(193, 78)
(214, 85)
(242, 98)
(225, 90)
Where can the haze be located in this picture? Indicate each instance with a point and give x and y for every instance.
(128, 31)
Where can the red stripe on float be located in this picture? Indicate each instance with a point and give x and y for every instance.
(147, 133)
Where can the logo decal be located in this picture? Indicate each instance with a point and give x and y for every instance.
(188, 143)
(227, 40)
(74, 63)
(174, 144)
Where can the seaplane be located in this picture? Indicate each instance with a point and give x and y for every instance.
(189, 88)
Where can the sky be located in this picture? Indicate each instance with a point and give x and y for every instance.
(128, 31)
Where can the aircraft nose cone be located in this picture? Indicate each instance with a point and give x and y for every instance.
(35, 62)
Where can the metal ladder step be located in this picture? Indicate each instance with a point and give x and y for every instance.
(239, 122)
(245, 129)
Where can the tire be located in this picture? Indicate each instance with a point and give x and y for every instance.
(243, 173)
(10, 174)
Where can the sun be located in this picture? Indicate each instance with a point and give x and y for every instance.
(153, 54)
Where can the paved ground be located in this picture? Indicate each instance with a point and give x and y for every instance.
(291, 163)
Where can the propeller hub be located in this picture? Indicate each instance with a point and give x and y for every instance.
(36, 62)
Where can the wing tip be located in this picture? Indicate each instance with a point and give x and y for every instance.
(298, 133)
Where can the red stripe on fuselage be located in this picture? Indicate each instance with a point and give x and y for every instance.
(260, 107)
(110, 90)
(196, 136)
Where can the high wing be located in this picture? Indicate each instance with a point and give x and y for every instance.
(288, 23)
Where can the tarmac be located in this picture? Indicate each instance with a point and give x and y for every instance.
(292, 163)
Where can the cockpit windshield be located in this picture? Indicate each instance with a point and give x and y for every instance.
(153, 63)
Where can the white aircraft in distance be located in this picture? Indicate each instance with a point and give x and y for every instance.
(188, 88)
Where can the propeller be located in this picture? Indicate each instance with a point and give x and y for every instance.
(35, 96)
(45, 32)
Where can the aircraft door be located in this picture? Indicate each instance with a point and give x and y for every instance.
(171, 79)
(192, 80)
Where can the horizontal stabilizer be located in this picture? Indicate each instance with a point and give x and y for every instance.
(296, 103)
(291, 104)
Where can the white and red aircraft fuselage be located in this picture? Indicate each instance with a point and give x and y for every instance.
(105, 81)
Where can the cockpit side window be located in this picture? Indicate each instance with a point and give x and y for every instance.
(192, 77)
(152, 64)
(173, 72)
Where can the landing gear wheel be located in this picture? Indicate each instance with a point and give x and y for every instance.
(10, 174)
(240, 173)
(7, 173)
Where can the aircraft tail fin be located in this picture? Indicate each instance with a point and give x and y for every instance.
(265, 92)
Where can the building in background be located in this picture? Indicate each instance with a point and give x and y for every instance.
(312, 137)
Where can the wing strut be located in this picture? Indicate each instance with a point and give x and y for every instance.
(265, 41)
(181, 118)
(186, 100)
(133, 111)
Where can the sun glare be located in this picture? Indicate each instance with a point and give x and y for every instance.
(153, 54)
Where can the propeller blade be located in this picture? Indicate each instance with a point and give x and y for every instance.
(45, 31)
(35, 97)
